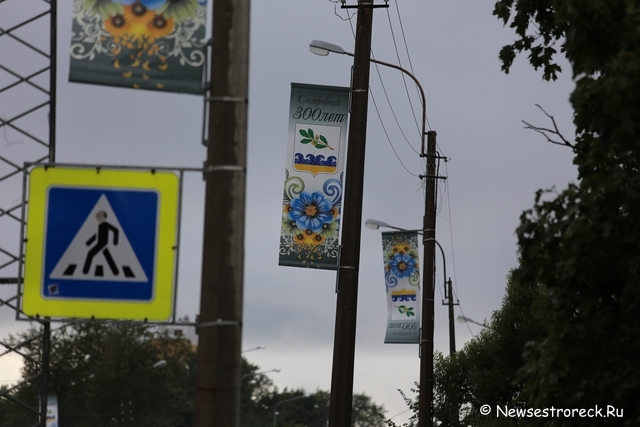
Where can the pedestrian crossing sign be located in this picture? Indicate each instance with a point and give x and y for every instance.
(100, 243)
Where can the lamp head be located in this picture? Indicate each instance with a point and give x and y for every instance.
(374, 224)
(160, 364)
(323, 48)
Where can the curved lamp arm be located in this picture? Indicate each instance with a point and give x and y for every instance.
(322, 48)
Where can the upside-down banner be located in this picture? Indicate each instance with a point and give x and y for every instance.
(141, 44)
(402, 279)
(312, 198)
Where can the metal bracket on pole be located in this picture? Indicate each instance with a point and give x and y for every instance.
(207, 101)
(445, 158)
(364, 6)
(219, 168)
(338, 269)
(225, 99)
(218, 322)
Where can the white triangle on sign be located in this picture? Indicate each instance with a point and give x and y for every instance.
(96, 254)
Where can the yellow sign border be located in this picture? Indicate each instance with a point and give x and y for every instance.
(160, 307)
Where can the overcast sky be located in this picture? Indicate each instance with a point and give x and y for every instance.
(495, 168)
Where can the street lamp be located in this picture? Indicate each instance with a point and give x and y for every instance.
(322, 48)
(425, 417)
(259, 373)
(375, 224)
(159, 364)
(464, 319)
(275, 408)
(260, 347)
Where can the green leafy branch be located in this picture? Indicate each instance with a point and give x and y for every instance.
(318, 141)
(104, 8)
(408, 311)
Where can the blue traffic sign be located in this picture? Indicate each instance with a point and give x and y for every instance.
(94, 241)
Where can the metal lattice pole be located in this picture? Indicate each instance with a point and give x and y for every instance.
(27, 134)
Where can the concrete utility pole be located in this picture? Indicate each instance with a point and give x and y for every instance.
(217, 398)
(452, 328)
(425, 399)
(347, 300)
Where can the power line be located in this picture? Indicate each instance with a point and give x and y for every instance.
(378, 111)
(404, 80)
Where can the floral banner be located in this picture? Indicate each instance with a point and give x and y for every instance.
(141, 44)
(402, 279)
(312, 199)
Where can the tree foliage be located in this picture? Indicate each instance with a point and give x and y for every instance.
(583, 244)
(294, 407)
(104, 376)
(484, 371)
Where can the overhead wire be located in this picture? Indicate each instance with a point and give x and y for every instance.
(406, 46)
(404, 80)
(349, 18)
(375, 105)
(335, 11)
(384, 89)
(445, 188)
(378, 111)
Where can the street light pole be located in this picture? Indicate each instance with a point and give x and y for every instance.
(429, 232)
(344, 346)
(425, 399)
(426, 340)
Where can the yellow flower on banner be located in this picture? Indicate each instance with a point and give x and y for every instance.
(159, 27)
(137, 13)
(401, 248)
(116, 25)
(309, 238)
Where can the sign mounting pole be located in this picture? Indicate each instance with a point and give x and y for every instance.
(217, 398)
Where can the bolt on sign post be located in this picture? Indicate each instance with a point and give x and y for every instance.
(100, 243)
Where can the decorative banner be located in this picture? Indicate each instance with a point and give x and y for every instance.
(402, 279)
(52, 411)
(313, 176)
(141, 44)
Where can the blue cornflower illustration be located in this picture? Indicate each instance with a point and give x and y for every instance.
(402, 265)
(310, 211)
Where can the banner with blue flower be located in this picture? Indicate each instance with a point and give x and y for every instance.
(141, 44)
(402, 281)
(312, 199)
